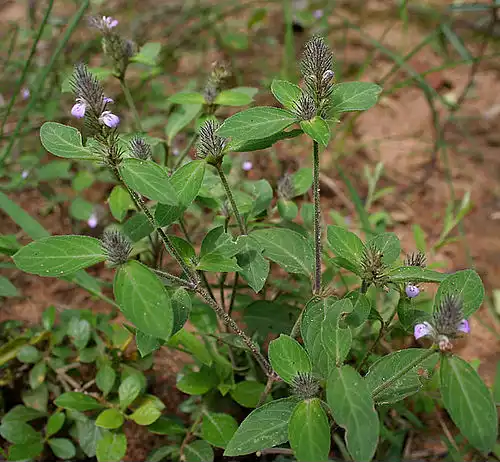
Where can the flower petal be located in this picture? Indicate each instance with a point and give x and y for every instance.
(423, 329)
(463, 326)
(78, 110)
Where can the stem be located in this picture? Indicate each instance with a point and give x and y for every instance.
(41, 82)
(364, 287)
(171, 277)
(263, 362)
(317, 220)
(233, 294)
(296, 327)
(189, 435)
(186, 151)
(229, 195)
(383, 386)
(27, 65)
(131, 104)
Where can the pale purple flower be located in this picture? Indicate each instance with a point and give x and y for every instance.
(106, 99)
(318, 14)
(24, 174)
(25, 93)
(93, 221)
(423, 329)
(109, 22)
(79, 108)
(109, 119)
(247, 166)
(412, 291)
(175, 152)
(463, 326)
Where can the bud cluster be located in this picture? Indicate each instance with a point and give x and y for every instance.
(116, 246)
(139, 148)
(374, 269)
(305, 385)
(210, 146)
(215, 82)
(286, 188)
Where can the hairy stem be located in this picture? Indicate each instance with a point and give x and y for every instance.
(229, 195)
(317, 221)
(131, 104)
(263, 362)
(383, 386)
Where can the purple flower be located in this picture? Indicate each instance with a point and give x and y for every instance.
(109, 22)
(106, 99)
(92, 221)
(318, 14)
(247, 166)
(463, 326)
(25, 93)
(79, 108)
(109, 119)
(24, 174)
(423, 329)
(175, 152)
(412, 291)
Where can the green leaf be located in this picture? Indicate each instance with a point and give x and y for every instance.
(218, 428)
(256, 123)
(28, 354)
(17, 432)
(49, 317)
(467, 285)
(54, 424)
(112, 447)
(25, 452)
(317, 129)
(143, 299)
(286, 93)
(181, 305)
(22, 413)
(28, 224)
(233, 97)
(198, 451)
(288, 358)
(415, 274)
(263, 428)
(88, 434)
(77, 401)
(129, 390)
(198, 383)
(361, 309)
(262, 143)
(388, 367)
(110, 419)
(81, 209)
(64, 141)
(37, 374)
(352, 408)
(105, 378)
(187, 181)
(180, 118)
(469, 402)
(287, 209)
(148, 54)
(193, 345)
(148, 178)
(217, 263)
(326, 342)
(37, 398)
(146, 414)
(292, 251)
(62, 448)
(57, 169)
(146, 343)
(59, 255)
(167, 426)
(354, 96)
(309, 431)
(79, 330)
(120, 203)
(187, 97)
(267, 317)
(345, 244)
(302, 181)
(388, 244)
(218, 241)
(248, 393)
(254, 267)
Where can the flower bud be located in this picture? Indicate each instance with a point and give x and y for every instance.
(116, 246)
(210, 146)
(305, 385)
(305, 108)
(140, 149)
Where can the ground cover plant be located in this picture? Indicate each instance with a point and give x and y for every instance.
(303, 336)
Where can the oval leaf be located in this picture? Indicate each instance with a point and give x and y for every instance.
(62, 448)
(352, 408)
(143, 299)
(317, 129)
(112, 447)
(345, 244)
(59, 255)
(388, 244)
(256, 123)
(309, 431)
(77, 401)
(415, 274)
(469, 402)
(64, 141)
(199, 451)
(233, 98)
(218, 428)
(354, 96)
(292, 251)
(466, 284)
(148, 178)
(286, 93)
(288, 358)
(110, 419)
(265, 427)
(187, 97)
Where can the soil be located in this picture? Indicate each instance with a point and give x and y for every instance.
(398, 132)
